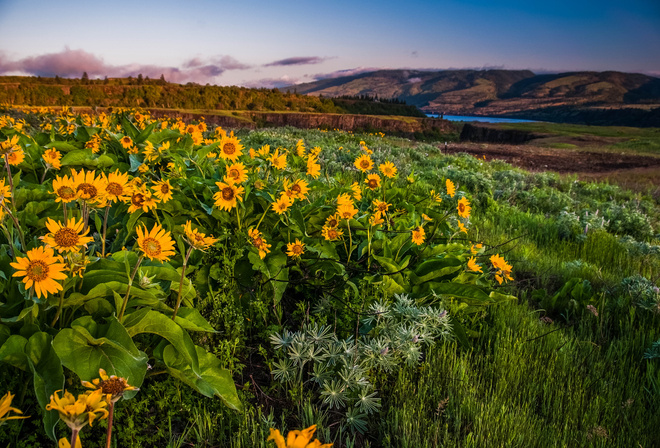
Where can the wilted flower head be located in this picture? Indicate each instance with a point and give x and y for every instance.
(112, 386)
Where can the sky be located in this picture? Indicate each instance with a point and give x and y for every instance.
(262, 43)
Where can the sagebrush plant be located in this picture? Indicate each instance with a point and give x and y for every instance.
(341, 372)
(641, 292)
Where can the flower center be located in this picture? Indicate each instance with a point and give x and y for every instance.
(113, 386)
(114, 188)
(151, 247)
(296, 188)
(364, 164)
(297, 249)
(37, 270)
(461, 207)
(137, 199)
(332, 233)
(373, 183)
(227, 193)
(89, 191)
(66, 192)
(234, 173)
(333, 222)
(66, 237)
(164, 188)
(229, 148)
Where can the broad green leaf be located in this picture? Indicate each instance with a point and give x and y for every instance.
(85, 157)
(150, 321)
(190, 319)
(61, 146)
(435, 264)
(146, 132)
(499, 297)
(274, 269)
(298, 221)
(88, 346)
(130, 128)
(5, 332)
(48, 375)
(13, 352)
(462, 291)
(213, 380)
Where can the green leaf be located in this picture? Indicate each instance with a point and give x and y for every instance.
(499, 297)
(430, 266)
(150, 321)
(213, 380)
(274, 269)
(459, 331)
(158, 137)
(88, 346)
(61, 146)
(85, 157)
(298, 221)
(48, 375)
(5, 332)
(13, 352)
(146, 132)
(130, 128)
(190, 319)
(462, 291)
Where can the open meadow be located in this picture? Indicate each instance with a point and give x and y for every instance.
(176, 284)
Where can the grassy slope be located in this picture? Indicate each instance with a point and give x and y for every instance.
(522, 383)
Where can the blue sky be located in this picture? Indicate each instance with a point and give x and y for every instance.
(257, 42)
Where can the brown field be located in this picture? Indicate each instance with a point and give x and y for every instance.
(634, 171)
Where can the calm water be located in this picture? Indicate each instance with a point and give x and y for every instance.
(481, 119)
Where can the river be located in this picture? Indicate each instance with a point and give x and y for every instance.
(480, 119)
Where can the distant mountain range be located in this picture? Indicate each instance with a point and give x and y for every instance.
(591, 97)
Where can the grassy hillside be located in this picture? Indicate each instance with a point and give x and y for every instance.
(585, 97)
(381, 336)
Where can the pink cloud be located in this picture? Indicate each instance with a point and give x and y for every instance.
(72, 63)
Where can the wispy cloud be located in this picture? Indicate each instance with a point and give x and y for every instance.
(72, 63)
(297, 61)
(346, 72)
(273, 83)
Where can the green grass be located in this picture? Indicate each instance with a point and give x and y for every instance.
(526, 384)
(616, 138)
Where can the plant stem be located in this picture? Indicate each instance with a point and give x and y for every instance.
(44, 175)
(18, 227)
(8, 236)
(74, 437)
(105, 228)
(350, 242)
(84, 214)
(111, 412)
(11, 181)
(238, 218)
(183, 276)
(262, 218)
(157, 217)
(128, 290)
(59, 310)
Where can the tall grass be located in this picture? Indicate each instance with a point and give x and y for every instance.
(526, 384)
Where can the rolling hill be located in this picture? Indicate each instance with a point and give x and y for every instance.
(574, 97)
